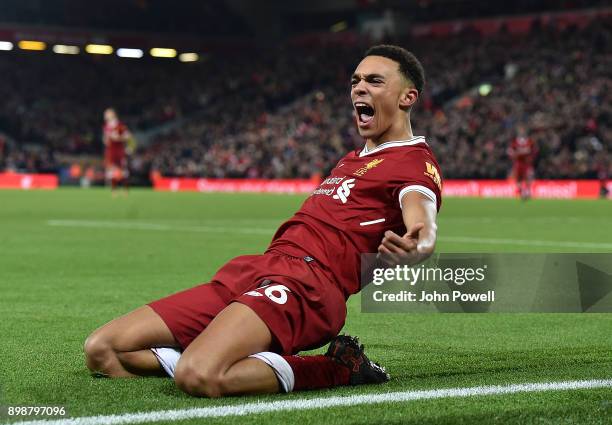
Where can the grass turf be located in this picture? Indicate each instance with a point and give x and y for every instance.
(73, 259)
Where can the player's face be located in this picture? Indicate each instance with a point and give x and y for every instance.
(376, 88)
(109, 115)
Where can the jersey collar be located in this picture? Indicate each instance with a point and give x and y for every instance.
(410, 142)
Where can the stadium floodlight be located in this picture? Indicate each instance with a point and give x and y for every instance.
(189, 57)
(129, 53)
(485, 89)
(32, 45)
(99, 49)
(6, 45)
(64, 49)
(161, 52)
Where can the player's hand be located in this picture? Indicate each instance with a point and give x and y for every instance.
(409, 249)
(395, 249)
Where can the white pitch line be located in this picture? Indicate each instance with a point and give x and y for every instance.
(157, 227)
(260, 231)
(526, 242)
(319, 403)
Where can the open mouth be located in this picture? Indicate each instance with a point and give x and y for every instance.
(365, 112)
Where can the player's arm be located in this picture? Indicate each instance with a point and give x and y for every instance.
(419, 213)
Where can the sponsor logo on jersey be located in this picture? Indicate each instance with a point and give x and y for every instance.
(332, 180)
(329, 191)
(321, 191)
(344, 191)
(340, 188)
(372, 164)
(432, 173)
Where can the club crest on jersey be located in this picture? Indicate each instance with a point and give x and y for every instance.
(372, 164)
(432, 173)
(344, 190)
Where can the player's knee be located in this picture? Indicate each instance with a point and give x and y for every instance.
(198, 381)
(98, 351)
(95, 348)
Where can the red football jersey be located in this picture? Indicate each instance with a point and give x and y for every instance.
(523, 150)
(113, 135)
(349, 212)
(114, 153)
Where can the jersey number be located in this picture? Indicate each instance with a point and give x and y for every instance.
(277, 293)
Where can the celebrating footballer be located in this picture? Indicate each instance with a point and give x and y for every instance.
(240, 333)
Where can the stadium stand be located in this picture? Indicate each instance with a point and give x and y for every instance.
(286, 113)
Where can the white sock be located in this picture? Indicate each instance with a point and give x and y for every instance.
(281, 368)
(168, 358)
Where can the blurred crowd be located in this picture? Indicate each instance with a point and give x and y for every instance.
(286, 113)
(557, 83)
(479, 90)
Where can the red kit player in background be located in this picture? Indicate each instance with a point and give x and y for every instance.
(523, 151)
(603, 169)
(115, 138)
(239, 333)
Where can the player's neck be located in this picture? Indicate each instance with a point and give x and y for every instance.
(402, 131)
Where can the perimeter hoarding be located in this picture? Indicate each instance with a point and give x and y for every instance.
(28, 181)
(541, 189)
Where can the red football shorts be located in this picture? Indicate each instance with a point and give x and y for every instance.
(114, 156)
(300, 305)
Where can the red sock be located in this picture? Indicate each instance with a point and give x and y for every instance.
(315, 372)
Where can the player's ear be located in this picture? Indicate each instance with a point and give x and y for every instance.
(408, 97)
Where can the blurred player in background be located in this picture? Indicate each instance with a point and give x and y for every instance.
(239, 333)
(602, 166)
(523, 152)
(118, 142)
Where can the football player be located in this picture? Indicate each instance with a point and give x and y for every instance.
(240, 332)
(116, 138)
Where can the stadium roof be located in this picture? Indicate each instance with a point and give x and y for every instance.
(247, 18)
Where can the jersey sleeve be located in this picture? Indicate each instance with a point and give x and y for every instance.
(418, 172)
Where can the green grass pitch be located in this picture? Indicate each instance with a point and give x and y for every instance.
(72, 259)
